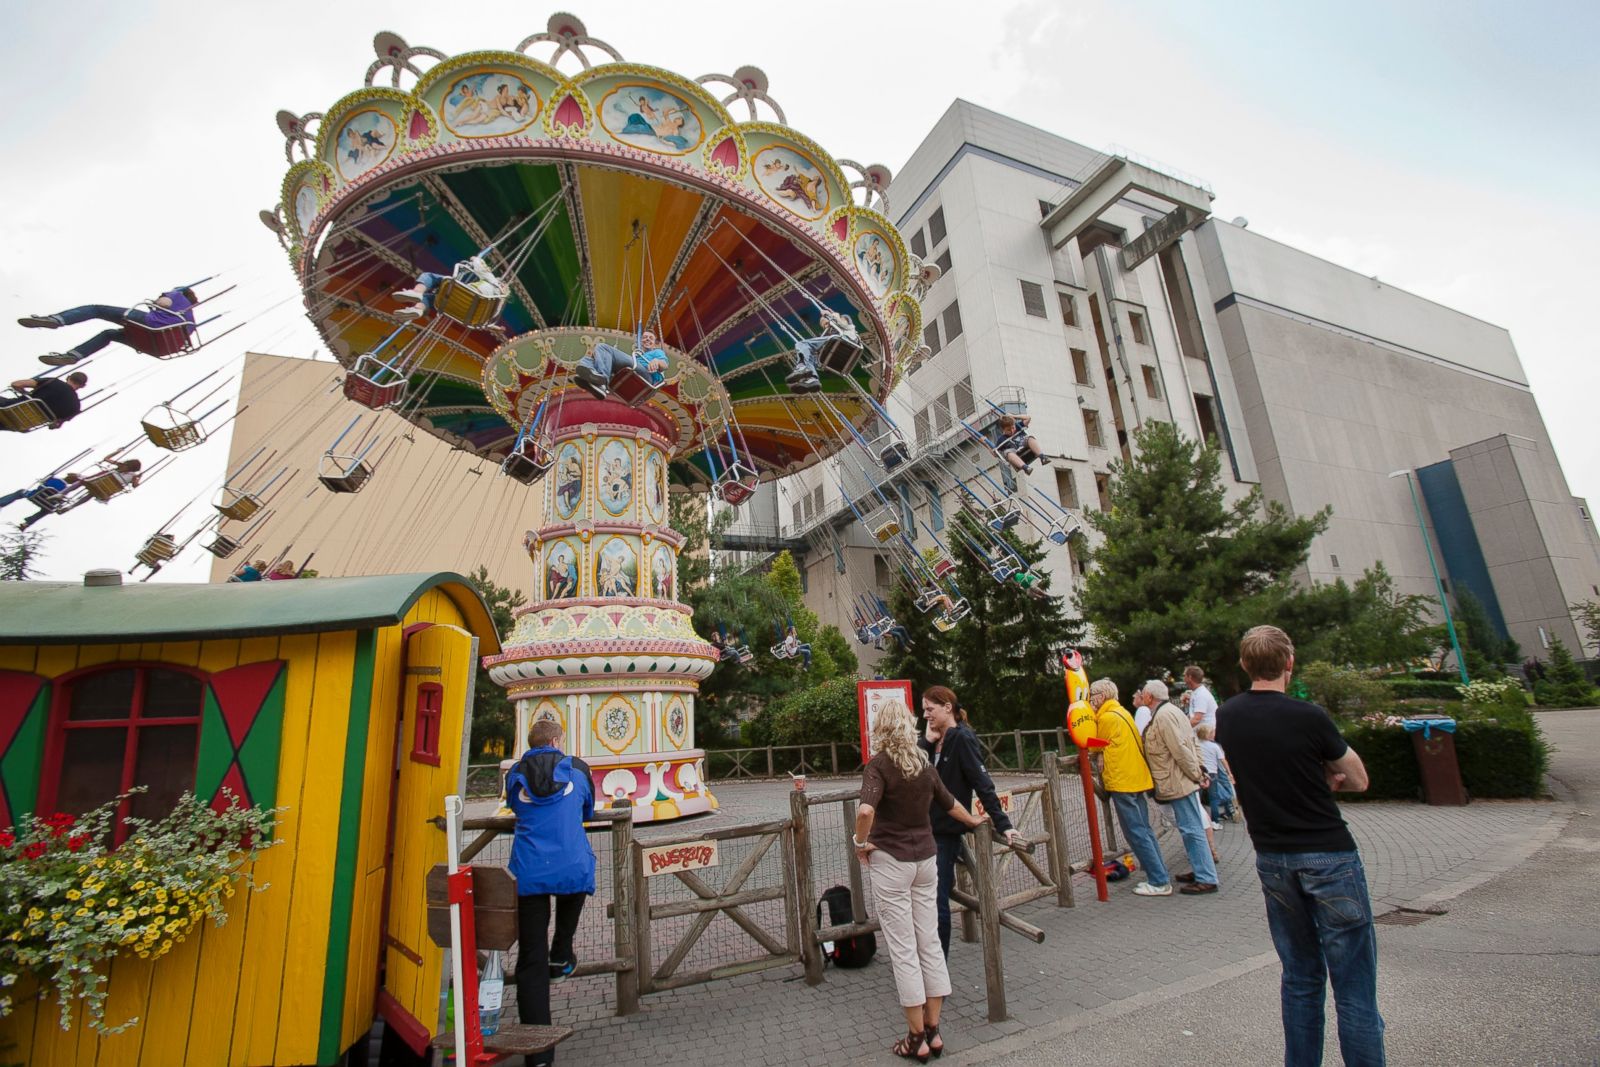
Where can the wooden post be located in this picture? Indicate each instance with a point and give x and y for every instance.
(1061, 739)
(833, 755)
(1060, 861)
(805, 892)
(989, 918)
(858, 903)
(622, 896)
(1022, 759)
(641, 921)
(769, 761)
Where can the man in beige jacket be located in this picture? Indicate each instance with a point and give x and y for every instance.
(1174, 756)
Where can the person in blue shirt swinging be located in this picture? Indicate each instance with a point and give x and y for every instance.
(552, 795)
(596, 370)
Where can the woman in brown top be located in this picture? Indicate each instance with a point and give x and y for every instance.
(895, 838)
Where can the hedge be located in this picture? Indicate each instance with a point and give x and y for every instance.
(1409, 688)
(1498, 759)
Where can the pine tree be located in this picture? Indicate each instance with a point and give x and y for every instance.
(20, 549)
(1565, 685)
(1004, 656)
(494, 714)
(1181, 573)
(926, 661)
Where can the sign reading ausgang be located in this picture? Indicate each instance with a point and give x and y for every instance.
(688, 856)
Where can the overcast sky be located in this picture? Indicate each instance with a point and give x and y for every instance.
(1449, 148)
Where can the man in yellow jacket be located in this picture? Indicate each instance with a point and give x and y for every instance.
(1126, 777)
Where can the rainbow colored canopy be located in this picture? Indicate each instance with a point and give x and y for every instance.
(624, 198)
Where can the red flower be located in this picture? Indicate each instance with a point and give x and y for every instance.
(6, 839)
(59, 823)
(77, 841)
(33, 851)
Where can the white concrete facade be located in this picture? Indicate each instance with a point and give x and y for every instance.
(1317, 382)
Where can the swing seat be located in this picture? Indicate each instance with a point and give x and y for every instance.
(632, 388)
(958, 610)
(372, 383)
(894, 454)
(157, 550)
(183, 433)
(1003, 516)
(736, 485)
(779, 652)
(472, 301)
(103, 485)
(926, 600)
(883, 523)
(744, 655)
(943, 623)
(162, 342)
(1062, 532)
(530, 464)
(943, 566)
(27, 416)
(222, 546)
(238, 506)
(1002, 572)
(345, 479)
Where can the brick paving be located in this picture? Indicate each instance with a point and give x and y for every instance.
(1095, 956)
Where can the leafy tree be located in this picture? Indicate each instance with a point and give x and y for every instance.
(1343, 690)
(1587, 613)
(1369, 624)
(821, 713)
(1181, 573)
(20, 549)
(1565, 685)
(494, 714)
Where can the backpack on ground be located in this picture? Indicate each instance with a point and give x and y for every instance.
(849, 951)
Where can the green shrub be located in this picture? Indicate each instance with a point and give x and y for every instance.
(1498, 758)
(1409, 688)
(1565, 685)
(823, 713)
(1343, 690)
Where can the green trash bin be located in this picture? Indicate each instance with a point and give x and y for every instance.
(1433, 740)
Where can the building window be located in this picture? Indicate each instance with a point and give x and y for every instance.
(930, 336)
(1335, 560)
(816, 499)
(1066, 487)
(430, 709)
(964, 404)
(1583, 511)
(1206, 417)
(1033, 299)
(936, 231)
(952, 322)
(1069, 308)
(919, 245)
(1152, 385)
(880, 572)
(935, 507)
(920, 427)
(941, 414)
(1080, 367)
(1102, 488)
(943, 263)
(808, 507)
(1045, 207)
(1136, 327)
(798, 517)
(121, 727)
(1091, 428)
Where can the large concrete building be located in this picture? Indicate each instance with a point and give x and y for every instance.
(1097, 291)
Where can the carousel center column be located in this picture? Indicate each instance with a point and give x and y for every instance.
(605, 649)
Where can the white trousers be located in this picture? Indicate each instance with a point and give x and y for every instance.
(906, 895)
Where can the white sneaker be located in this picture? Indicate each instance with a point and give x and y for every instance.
(407, 294)
(415, 311)
(1145, 889)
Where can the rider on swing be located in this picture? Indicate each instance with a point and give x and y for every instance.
(836, 327)
(596, 370)
(1017, 446)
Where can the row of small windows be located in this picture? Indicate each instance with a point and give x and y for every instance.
(933, 238)
(950, 317)
(1033, 303)
(935, 420)
(807, 507)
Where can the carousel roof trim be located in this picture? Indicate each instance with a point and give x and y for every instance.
(70, 613)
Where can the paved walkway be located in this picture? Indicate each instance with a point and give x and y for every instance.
(1194, 978)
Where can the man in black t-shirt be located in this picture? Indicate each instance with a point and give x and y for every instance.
(1288, 759)
(59, 395)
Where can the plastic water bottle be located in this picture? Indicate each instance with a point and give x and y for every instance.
(491, 987)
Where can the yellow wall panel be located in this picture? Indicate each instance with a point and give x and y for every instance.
(127, 997)
(18, 658)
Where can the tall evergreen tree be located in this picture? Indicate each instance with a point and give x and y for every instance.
(494, 714)
(1181, 573)
(20, 550)
(926, 660)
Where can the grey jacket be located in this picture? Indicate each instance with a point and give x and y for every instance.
(1173, 753)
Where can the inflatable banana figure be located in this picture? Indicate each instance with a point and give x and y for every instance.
(1080, 715)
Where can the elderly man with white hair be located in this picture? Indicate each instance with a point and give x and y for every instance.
(1126, 778)
(1174, 756)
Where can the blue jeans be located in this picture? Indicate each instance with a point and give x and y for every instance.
(948, 848)
(1220, 795)
(1192, 828)
(12, 498)
(1135, 820)
(105, 312)
(1321, 923)
(429, 282)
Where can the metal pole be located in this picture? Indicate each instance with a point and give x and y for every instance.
(1438, 583)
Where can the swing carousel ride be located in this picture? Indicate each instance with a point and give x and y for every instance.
(468, 229)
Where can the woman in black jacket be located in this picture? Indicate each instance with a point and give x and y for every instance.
(953, 750)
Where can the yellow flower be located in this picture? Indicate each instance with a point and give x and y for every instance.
(73, 894)
(34, 915)
(89, 903)
(111, 903)
(81, 912)
(144, 910)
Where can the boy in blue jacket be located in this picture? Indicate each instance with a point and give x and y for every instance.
(552, 795)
